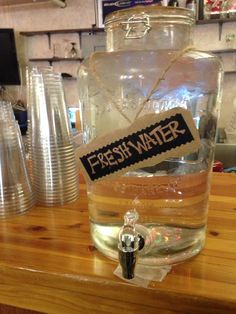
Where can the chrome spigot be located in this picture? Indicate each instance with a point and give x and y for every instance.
(130, 242)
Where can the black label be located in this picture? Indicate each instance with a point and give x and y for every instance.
(156, 139)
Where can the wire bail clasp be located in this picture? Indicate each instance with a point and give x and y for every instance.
(137, 26)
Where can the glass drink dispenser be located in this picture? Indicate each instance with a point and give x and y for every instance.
(160, 211)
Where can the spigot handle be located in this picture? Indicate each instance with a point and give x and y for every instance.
(128, 245)
(130, 218)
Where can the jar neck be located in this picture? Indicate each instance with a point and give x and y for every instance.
(149, 28)
(161, 36)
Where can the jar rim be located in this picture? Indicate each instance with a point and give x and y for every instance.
(155, 13)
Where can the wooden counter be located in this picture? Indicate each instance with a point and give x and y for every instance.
(48, 264)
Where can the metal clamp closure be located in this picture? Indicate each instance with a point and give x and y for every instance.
(137, 26)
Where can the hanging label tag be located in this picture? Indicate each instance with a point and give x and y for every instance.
(148, 141)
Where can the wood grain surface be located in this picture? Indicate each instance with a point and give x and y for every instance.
(48, 264)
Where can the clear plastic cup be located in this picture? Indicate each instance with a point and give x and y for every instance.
(16, 194)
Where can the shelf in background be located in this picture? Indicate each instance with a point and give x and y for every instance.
(230, 72)
(214, 21)
(69, 78)
(223, 50)
(18, 2)
(96, 29)
(63, 31)
(50, 60)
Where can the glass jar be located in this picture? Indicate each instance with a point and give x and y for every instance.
(171, 198)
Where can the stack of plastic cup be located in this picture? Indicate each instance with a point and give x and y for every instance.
(16, 194)
(51, 150)
(30, 101)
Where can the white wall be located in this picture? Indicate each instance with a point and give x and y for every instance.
(77, 14)
(36, 16)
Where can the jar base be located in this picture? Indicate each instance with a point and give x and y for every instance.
(166, 245)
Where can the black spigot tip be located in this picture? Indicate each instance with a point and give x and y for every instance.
(127, 262)
(127, 275)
